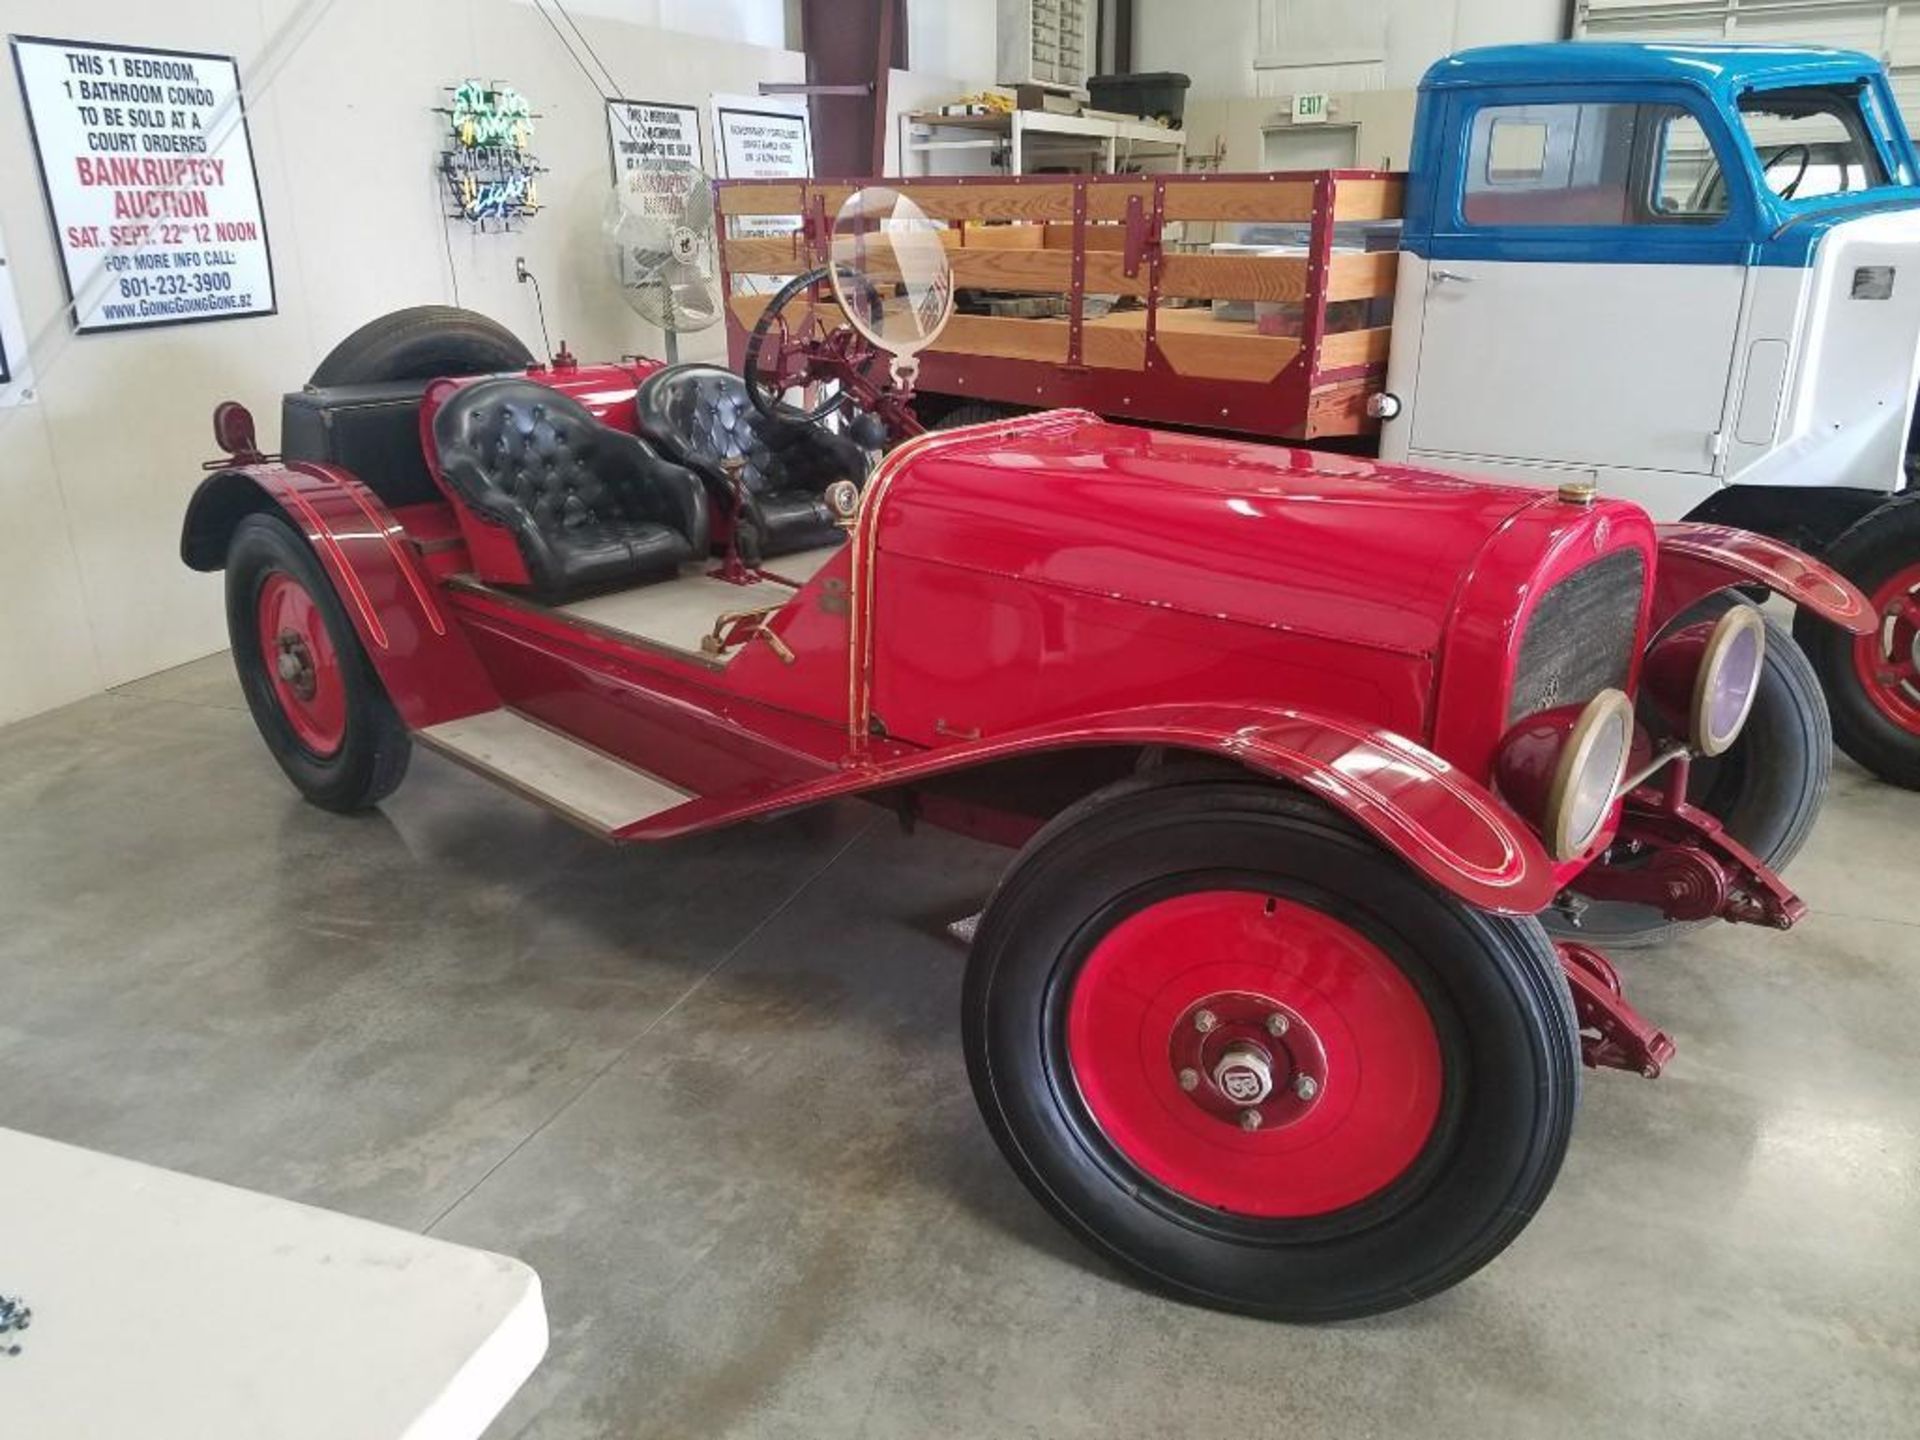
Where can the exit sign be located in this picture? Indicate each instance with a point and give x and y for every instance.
(1309, 109)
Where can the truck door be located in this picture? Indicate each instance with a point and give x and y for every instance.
(1583, 286)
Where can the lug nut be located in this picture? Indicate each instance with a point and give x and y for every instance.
(1276, 1024)
(1249, 1119)
(1189, 1079)
(1305, 1086)
(1205, 1020)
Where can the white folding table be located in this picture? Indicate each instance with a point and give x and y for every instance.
(165, 1306)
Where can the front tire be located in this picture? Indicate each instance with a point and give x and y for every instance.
(1163, 950)
(313, 692)
(1873, 681)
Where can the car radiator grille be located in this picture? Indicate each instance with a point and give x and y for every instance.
(1580, 637)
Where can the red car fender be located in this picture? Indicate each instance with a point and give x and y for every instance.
(1439, 820)
(1697, 560)
(429, 670)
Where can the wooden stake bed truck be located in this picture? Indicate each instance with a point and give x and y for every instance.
(1262, 342)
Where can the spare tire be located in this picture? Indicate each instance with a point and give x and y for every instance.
(422, 342)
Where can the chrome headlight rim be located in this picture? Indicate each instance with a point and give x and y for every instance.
(1609, 709)
(1720, 650)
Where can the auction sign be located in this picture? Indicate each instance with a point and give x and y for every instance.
(641, 131)
(148, 169)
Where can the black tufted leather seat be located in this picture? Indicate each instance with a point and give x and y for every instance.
(588, 505)
(700, 415)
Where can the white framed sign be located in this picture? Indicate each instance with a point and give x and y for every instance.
(642, 130)
(759, 138)
(16, 375)
(149, 177)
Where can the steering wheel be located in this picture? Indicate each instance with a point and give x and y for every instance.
(776, 356)
(1806, 159)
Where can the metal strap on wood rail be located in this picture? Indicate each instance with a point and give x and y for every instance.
(1077, 294)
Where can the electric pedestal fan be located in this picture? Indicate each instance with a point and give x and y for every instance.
(659, 234)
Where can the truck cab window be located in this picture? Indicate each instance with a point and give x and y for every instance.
(1811, 141)
(1687, 179)
(1611, 163)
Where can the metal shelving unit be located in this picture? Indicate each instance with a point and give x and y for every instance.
(1028, 138)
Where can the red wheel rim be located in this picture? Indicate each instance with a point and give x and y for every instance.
(1887, 662)
(300, 662)
(1349, 1022)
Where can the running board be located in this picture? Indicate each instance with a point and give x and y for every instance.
(587, 786)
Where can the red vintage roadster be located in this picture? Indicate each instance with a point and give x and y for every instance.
(1292, 750)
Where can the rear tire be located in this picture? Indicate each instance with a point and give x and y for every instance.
(316, 700)
(423, 342)
(1872, 682)
(1767, 790)
(1443, 1039)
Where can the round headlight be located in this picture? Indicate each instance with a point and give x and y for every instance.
(1728, 679)
(1592, 764)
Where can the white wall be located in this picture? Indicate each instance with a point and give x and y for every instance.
(94, 478)
(1279, 47)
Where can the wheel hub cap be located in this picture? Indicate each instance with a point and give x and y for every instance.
(295, 664)
(1246, 1059)
(1244, 1074)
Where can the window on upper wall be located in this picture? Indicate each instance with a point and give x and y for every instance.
(1610, 163)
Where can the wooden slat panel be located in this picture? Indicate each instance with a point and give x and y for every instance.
(1099, 237)
(1367, 199)
(1197, 344)
(765, 255)
(1108, 201)
(1050, 270)
(1009, 237)
(1361, 277)
(1106, 275)
(1239, 200)
(1355, 347)
(1107, 348)
(1234, 277)
(834, 195)
(1226, 356)
(773, 197)
(1008, 339)
(991, 202)
(747, 308)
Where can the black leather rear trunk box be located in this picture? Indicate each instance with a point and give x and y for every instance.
(371, 431)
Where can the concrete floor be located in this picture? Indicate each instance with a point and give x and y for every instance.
(714, 1094)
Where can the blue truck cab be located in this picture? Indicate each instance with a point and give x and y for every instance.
(1687, 272)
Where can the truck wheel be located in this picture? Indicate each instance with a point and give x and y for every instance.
(1767, 790)
(1165, 962)
(1873, 681)
(422, 342)
(313, 693)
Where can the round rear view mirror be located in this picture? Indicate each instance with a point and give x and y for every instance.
(889, 270)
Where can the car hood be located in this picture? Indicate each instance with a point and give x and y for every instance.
(1330, 545)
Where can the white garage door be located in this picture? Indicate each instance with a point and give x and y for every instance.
(1870, 25)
